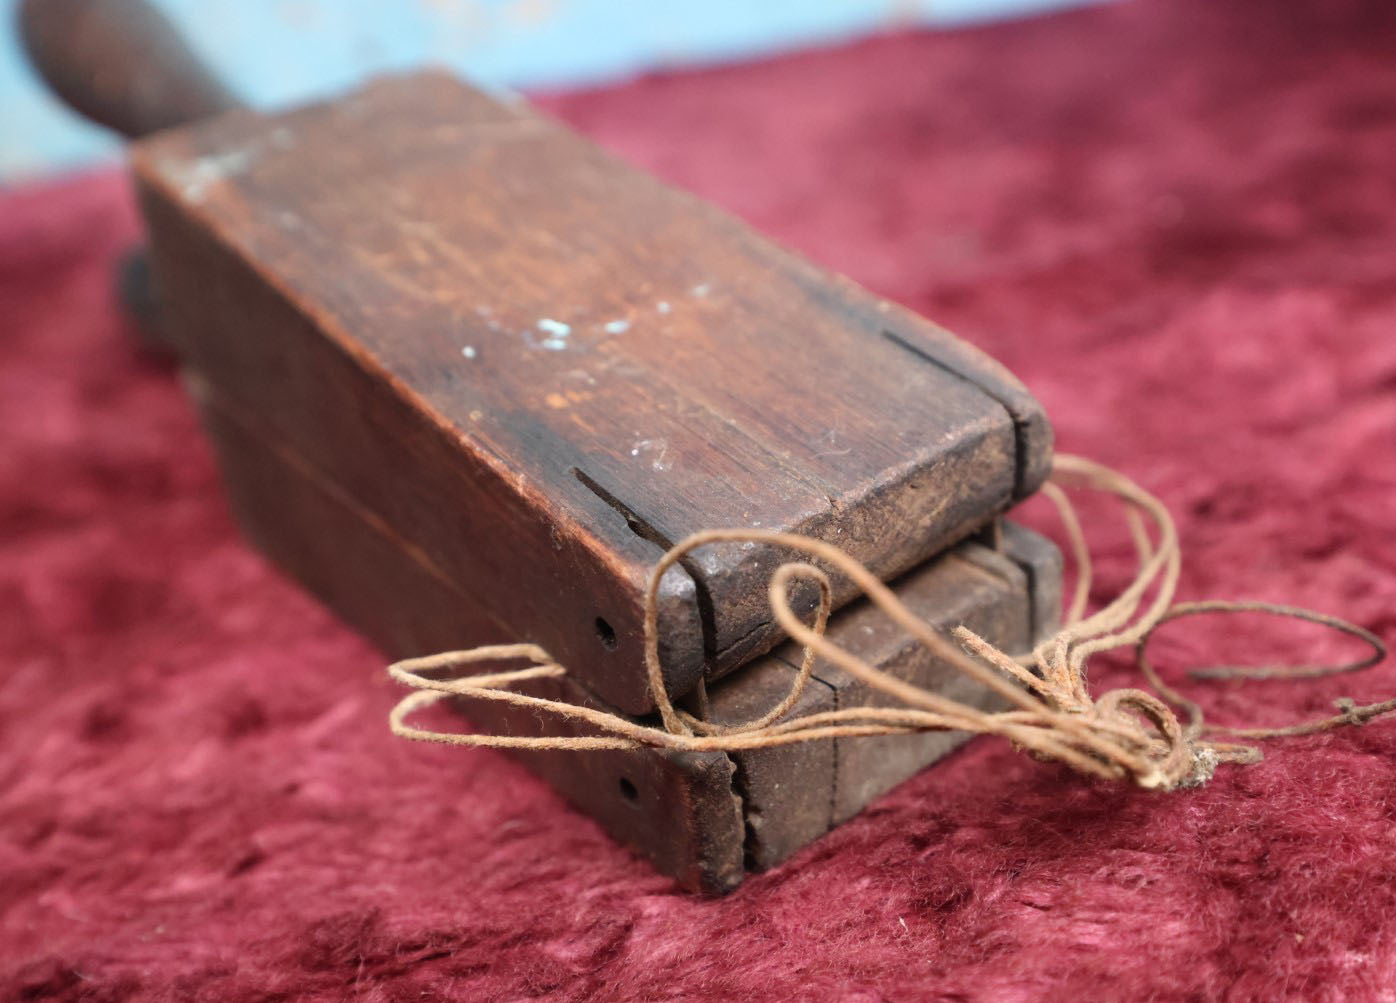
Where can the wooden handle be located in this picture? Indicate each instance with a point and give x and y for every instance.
(120, 63)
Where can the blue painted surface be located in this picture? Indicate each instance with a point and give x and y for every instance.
(278, 52)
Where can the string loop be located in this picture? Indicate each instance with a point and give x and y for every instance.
(1125, 734)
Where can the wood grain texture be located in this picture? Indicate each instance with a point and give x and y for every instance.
(971, 586)
(678, 809)
(701, 818)
(1007, 596)
(787, 790)
(542, 367)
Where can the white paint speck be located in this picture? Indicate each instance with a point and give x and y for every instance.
(616, 326)
(663, 306)
(469, 351)
(196, 178)
(557, 334)
(656, 451)
(701, 289)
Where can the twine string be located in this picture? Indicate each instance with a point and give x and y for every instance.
(1125, 734)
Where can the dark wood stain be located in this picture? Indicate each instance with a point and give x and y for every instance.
(703, 818)
(447, 304)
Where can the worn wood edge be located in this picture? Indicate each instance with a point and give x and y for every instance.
(1028, 602)
(210, 399)
(852, 299)
(722, 841)
(1041, 560)
(1032, 432)
(923, 338)
(704, 846)
(877, 511)
(1010, 605)
(1001, 619)
(684, 663)
(786, 790)
(682, 672)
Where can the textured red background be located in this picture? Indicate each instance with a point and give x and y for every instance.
(1176, 221)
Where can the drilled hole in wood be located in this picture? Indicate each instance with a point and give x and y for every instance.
(606, 634)
(645, 531)
(627, 789)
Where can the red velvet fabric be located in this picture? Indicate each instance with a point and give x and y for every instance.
(1176, 221)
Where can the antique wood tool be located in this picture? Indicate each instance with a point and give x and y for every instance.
(469, 376)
